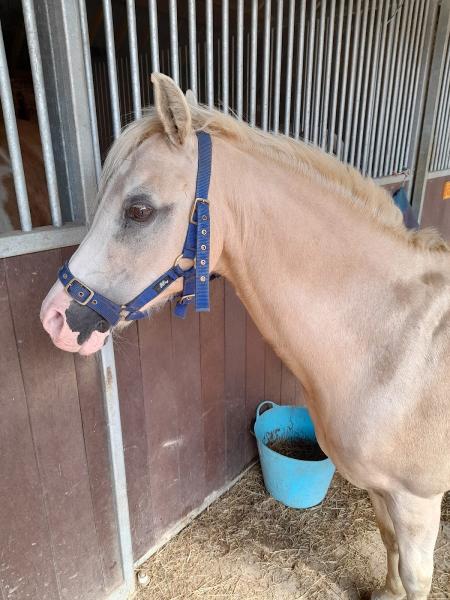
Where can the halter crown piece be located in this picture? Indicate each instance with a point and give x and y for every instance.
(196, 247)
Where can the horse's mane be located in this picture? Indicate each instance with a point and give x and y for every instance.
(297, 156)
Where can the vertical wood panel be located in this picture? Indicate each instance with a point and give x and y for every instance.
(51, 390)
(97, 454)
(161, 419)
(272, 376)
(186, 356)
(135, 432)
(212, 347)
(26, 565)
(254, 375)
(96, 445)
(235, 338)
(288, 386)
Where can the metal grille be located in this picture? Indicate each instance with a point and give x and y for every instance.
(440, 155)
(9, 118)
(342, 74)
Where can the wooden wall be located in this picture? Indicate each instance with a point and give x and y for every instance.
(57, 534)
(188, 391)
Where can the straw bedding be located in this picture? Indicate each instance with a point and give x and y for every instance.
(247, 546)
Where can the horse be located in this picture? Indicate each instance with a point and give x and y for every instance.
(356, 305)
(33, 163)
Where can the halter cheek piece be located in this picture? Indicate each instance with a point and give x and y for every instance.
(196, 248)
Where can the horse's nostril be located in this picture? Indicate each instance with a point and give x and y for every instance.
(53, 322)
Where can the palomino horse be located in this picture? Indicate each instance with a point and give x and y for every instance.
(356, 306)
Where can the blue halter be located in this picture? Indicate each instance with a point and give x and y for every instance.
(196, 248)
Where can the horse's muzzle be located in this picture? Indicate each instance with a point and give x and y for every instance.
(72, 327)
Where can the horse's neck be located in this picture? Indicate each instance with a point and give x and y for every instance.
(312, 270)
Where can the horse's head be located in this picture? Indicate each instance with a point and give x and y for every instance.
(146, 196)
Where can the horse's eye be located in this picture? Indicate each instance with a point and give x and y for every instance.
(139, 212)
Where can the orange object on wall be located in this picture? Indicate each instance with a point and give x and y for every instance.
(446, 191)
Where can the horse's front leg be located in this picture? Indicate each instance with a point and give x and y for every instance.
(393, 589)
(416, 523)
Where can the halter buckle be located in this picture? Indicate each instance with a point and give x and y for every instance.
(86, 300)
(194, 208)
(185, 298)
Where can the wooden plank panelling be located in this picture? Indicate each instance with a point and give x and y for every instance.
(212, 348)
(161, 420)
(186, 357)
(272, 376)
(26, 556)
(235, 340)
(96, 446)
(51, 389)
(135, 432)
(288, 386)
(254, 393)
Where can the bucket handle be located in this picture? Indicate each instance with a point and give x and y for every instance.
(263, 403)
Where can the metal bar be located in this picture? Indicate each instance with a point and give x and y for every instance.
(356, 128)
(438, 141)
(240, 59)
(364, 131)
(225, 57)
(440, 138)
(266, 66)
(112, 68)
(400, 63)
(90, 86)
(327, 78)
(406, 98)
(349, 122)
(300, 59)
(310, 69)
(277, 76)
(272, 45)
(41, 108)
(337, 68)
(405, 42)
(429, 115)
(16, 243)
(253, 59)
(233, 74)
(319, 83)
(116, 454)
(154, 41)
(134, 60)
(413, 67)
(209, 54)
(12, 136)
(193, 47)
(369, 149)
(290, 54)
(173, 25)
(348, 28)
(373, 94)
(414, 126)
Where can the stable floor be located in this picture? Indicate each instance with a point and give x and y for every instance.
(247, 546)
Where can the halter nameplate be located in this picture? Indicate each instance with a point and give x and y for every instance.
(196, 247)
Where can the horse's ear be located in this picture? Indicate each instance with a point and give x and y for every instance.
(172, 108)
(191, 98)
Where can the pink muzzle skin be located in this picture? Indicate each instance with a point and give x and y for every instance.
(53, 318)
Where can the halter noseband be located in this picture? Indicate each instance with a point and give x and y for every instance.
(196, 248)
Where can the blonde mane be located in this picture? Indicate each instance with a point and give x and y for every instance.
(297, 156)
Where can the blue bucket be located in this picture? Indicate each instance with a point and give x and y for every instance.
(295, 483)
